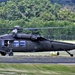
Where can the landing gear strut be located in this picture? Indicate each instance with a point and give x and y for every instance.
(70, 54)
(10, 53)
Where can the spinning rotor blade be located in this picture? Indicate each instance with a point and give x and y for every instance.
(40, 28)
(6, 28)
(45, 28)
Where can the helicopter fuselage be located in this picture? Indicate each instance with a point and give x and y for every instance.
(31, 43)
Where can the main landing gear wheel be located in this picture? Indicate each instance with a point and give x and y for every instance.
(3, 54)
(10, 54)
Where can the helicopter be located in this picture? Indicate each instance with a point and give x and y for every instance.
(22, 42)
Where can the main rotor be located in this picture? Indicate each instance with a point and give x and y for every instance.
(33, 30)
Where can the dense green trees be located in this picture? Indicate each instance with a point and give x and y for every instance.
(35, 13)
(27, 11)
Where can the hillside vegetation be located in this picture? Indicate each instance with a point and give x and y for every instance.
(37, 13)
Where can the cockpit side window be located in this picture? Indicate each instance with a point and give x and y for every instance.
(16, 43)
(5, 43)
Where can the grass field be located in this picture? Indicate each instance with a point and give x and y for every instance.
(36, 69)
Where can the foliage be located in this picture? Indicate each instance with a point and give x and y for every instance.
(35, 13)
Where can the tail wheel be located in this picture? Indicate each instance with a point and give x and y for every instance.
(58, 53)
(3, 54)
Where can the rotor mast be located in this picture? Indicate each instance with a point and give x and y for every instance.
(15, 30)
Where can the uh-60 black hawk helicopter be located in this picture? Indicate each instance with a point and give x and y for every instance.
(19, 42)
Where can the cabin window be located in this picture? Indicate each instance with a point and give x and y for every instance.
(16, 43)
(22, 43)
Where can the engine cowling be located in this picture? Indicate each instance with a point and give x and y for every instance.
(25, 36)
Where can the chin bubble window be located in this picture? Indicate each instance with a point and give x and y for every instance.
(16, 43)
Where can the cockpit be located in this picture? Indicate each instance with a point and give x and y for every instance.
(5, 43)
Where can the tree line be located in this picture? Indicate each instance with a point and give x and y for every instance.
(36, 13)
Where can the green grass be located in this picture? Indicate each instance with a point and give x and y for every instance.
(36, 69)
